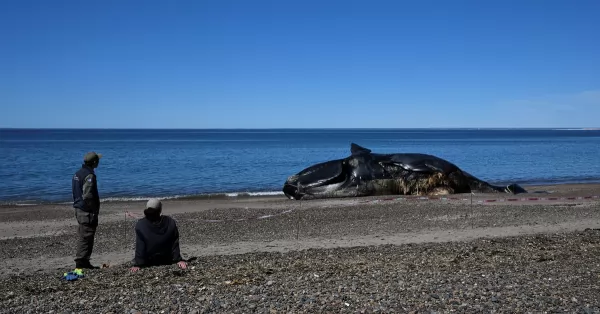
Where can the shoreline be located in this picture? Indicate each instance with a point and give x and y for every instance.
(274, 254)
(277, 195)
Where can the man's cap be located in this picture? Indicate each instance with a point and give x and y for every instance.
(154, 203)
(91, 156)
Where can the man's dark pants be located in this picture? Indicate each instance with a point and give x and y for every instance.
(88, 222)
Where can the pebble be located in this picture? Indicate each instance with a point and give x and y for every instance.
(504, 274)
(314, 281)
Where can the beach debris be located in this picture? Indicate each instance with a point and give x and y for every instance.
(73, 275)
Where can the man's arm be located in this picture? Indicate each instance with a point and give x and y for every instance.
(140, 249)
(176, 254)
(88, 191)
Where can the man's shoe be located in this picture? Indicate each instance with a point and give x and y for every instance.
(85, 265)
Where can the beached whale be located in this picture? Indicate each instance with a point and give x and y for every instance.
(364, 173)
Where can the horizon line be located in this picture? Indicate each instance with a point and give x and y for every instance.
(313, 128)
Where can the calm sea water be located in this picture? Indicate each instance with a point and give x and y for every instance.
(37, 165)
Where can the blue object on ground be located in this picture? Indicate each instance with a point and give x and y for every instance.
(73, 275)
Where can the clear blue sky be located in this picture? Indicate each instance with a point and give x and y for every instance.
(263, 64)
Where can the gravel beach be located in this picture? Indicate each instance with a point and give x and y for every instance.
(347, 255)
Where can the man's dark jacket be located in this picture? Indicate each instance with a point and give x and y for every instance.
(85, 190)
(157, 243)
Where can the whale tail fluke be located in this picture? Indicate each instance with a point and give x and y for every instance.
(481, 186)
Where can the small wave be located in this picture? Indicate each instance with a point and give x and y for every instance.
(139, 198)
(229, 195)
(223, 195)
(268, 193)
(18, 204)
(196, 196)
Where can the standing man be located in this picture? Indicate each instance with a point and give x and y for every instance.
(86, 202)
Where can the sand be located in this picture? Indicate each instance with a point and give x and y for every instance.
(39, 240)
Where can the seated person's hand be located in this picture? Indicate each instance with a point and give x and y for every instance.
(134, 269)
(182, 265)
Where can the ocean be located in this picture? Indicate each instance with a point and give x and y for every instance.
(36, 165)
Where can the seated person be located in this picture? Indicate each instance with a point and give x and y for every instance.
(157, 239)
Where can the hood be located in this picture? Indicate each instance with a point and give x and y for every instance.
(161, 227)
